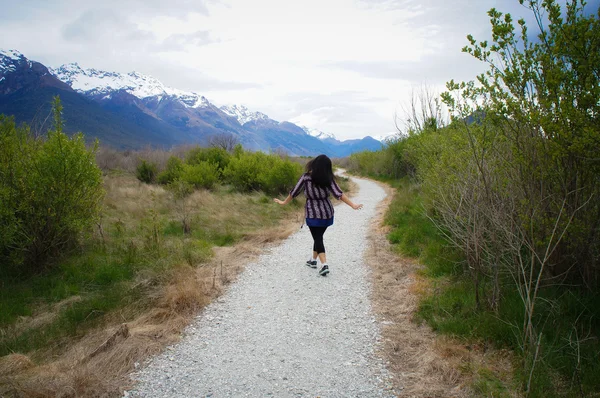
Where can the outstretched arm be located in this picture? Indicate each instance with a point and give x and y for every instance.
(283, 202)
(350, 203)
(295, 192)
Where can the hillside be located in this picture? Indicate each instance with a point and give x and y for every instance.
(130, 111)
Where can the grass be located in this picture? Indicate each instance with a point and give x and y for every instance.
(141, 246)
(487, 384)
(569, 318)
(414, 235)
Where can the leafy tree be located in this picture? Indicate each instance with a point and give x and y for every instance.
(280, 176)
(254, 171)
(215, 155)
(51, 190)
(244, 169)
(544, 96)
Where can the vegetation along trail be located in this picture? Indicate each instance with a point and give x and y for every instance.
(281, 329)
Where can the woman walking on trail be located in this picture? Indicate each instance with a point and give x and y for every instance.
(317, 183)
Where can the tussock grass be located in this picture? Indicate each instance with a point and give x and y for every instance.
(137, 268)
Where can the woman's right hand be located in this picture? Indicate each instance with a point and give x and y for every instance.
(357, 206)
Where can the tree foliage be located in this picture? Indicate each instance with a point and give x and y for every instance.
(543, 95)
(250, 171)
(146, 171)
(172, 172)
(51, 191)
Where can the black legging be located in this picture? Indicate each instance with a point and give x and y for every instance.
(317, 234)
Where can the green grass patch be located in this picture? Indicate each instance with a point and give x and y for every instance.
(217, 235)
(97, 280)
(570, 351)
(451, 310)
(486, 384)
(414, 235)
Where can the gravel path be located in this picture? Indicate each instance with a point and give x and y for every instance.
(282, 330)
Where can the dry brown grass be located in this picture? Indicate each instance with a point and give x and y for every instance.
(98, 364)
(78, 373)
(422, 363)
(109, 158)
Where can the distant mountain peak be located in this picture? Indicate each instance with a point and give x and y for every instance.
(386, 137)
(9, 59)
(99, 82)
(243, 114)
(12, 54)
(318, 133)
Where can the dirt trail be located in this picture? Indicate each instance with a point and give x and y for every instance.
(282, 330)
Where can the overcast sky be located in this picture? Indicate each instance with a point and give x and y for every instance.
(342, 66)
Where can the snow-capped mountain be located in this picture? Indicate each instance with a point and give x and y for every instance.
(17, 73)
(95, 82)
(134, 110)
(9, 60)
(386, 137)
(27, 89)
(343, 148)
(318, 133)
(243, 114)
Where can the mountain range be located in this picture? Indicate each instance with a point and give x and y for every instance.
(130, 111)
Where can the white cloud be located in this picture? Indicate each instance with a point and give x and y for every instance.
(342, 66)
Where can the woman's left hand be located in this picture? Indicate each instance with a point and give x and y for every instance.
(283, 202)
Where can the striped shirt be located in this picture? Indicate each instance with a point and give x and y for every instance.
(318, 204)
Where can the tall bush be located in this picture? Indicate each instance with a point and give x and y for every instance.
(249, 171)
(280, 176)
(146, 171)
(172, 172)
(215, 155)
(543, 96)
(522, 197)
(201, 175)
(51, 190)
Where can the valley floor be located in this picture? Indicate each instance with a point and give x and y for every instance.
(278, 330)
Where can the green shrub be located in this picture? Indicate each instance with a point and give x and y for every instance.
(201, 175)
(280, 177)
(12, 139)
(389, 162)
(217, 156)
(173, 171)
(248, 171)
(195, 155)
(146, 172)
(51, 191)
(243, 171)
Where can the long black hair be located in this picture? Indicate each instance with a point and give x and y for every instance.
(320, 171)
